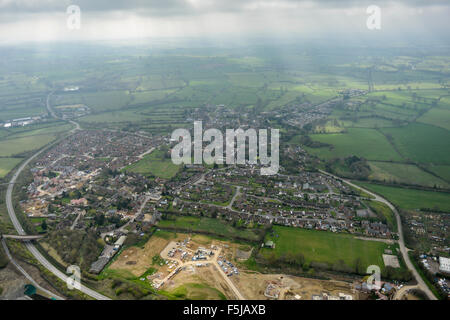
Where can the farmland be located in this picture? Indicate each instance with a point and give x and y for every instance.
(437, 117)
(422, 143)
(367, 143)
(412, 199)
(404, 173)
(7, 164)
(402, 132)
(14, 142)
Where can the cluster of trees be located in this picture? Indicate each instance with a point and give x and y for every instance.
(100, 219)
(400, 274)
(286, 260)
(76, 247)
(307, 141)
(354, 167)
(51, 174)
(123, 204)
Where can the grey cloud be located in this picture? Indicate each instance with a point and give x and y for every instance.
(177, 7)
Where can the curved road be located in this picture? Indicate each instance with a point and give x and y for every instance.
(38, 256)
(420, 283)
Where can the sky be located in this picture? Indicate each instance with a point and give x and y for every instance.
(46, 20)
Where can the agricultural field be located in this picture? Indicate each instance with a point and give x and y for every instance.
(411, 199)
(7, 164)
(16, 141)
(11, 147)
(325, 247)
(367, 143)
(437, 117)
(441, 171)
(404, 173)
(421, 143)
(156, 164)
(403, 133)
(112, 117)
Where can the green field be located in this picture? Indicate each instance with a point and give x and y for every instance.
(156, 164)
(411, 199)
(367, 143)
(437, 117)
(214, 226)
(422, 143)
(17, 140)
(325, 247)
(441, 171)
(7, 164)
(12, 147)
(113, 116)
(404, 173)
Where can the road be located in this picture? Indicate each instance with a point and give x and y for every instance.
(404, 251)
(404, 290)
(227, 279)
(75, 221)
(24, 238)
(122, 228)
(50, 110)
(236, 194)
(31, 247)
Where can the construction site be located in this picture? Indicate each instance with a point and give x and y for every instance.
(193, 261)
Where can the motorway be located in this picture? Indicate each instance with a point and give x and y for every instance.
(31, 247)
(24, 238)
(404, 251)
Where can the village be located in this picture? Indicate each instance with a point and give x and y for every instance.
(81, 184)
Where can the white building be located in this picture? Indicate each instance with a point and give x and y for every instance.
(444, 264)
(119, 242)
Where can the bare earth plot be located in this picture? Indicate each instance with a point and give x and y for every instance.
(253, 286)
(391, 261)
(137, 260)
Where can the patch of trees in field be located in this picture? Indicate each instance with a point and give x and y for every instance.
(76, 247)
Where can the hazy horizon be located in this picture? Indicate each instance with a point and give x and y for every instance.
(25, 21)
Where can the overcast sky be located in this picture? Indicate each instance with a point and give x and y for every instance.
(46, 20)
